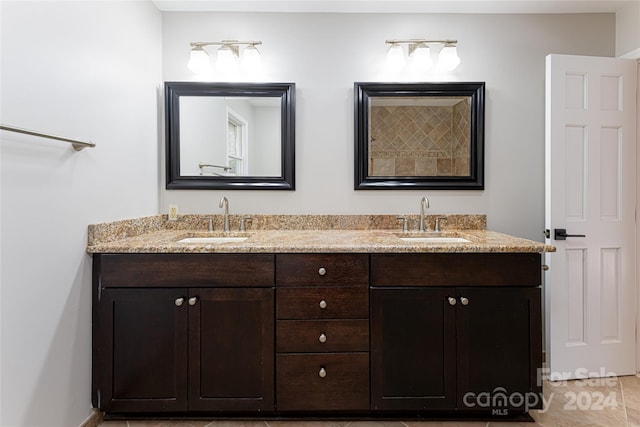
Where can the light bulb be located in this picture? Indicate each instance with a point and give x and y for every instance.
(448, 58)
(198, 60)
(421, 58)
(251, 59)
(226, 59)
(395, 58)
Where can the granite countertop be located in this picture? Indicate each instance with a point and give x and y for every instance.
(156, 235)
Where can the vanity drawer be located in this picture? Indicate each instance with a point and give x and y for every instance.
(314, 382)
(317, 336)
(184, 270)
(456, 269)
(322, 269)
(322, 303)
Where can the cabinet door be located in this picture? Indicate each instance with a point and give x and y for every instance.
(231, 349)
(140, 350)
(413, 349)
(499, 349)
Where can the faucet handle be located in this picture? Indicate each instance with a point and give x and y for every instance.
(243, 221)
(210, 229)
(405, 225)
(438, 219)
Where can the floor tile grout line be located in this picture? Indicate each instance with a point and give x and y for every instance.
(624, 402)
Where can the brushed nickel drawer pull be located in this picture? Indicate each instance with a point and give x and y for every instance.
(322, 271)
(322, 338)
(322, 373)
(323, 304)
(193, 300)
(452, 301)
(179, 301)
(464, 301)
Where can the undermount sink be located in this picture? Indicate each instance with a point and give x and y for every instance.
(216, 240)
(435, 240)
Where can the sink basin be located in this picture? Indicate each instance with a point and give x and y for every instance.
(435, 240)
(215, 240)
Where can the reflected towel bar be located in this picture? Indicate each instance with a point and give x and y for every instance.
(77, 145)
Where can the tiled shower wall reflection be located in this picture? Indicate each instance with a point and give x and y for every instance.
(420, 140)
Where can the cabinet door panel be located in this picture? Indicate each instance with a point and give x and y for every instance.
(231, 349)
(141, 350)
(413, 349)
(499, 348)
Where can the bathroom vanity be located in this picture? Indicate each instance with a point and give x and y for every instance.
(322, 323)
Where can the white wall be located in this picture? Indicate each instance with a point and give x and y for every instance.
(89, 70)
(324, 54)
(628, 30)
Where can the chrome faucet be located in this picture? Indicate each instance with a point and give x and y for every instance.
(224, 203)
(424, 204)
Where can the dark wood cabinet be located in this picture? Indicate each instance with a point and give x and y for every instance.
(285, 335)
(470, 348)
(499, 349)
(231, 354)
(180, 349)
(413, 349)
(139, 351)
(322, 332)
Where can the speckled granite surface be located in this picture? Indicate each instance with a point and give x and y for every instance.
(302, 233)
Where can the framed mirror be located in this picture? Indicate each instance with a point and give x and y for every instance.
(419, 136)
(231, 136)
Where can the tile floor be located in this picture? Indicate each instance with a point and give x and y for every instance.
(612, 402)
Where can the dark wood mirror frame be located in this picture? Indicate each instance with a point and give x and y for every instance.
(362, 94)
(285, 91)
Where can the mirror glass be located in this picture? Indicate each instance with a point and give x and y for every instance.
(419, 135)
(230, 135)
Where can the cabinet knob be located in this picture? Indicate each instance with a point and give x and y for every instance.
(322, 271)
(464, 301)
(179, 301)
(193, 300)
(322, 338)
(452, 301)
(322, 373)
(323, 304)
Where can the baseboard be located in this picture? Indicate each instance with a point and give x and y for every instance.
(93, 420)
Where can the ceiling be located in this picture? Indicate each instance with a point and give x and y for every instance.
(394, 6)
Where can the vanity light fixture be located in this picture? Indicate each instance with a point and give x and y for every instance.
(419, 51)
(228, 55)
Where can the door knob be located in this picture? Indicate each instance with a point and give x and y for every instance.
(179, 301)
(561, 234)
(464, 301)
(452, 301)
(193, 300)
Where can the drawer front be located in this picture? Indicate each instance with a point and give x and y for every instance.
(322, 382)
(456, 269)
(317, 336)
(185, 270)
(322, 303)
(322, 269)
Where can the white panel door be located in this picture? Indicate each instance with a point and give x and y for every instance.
(591, 191)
